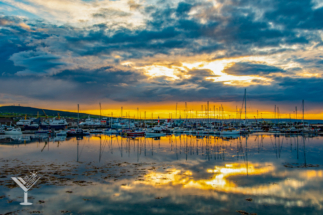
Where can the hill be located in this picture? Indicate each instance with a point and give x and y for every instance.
(30, 111)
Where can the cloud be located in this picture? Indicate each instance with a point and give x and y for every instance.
(36, 62)
(246, 68)
(101, 49)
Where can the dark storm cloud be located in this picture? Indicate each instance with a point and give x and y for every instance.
(172, 28)
(244, 68)
(36, 62)
(238, 28)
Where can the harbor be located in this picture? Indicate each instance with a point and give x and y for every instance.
(188, 124)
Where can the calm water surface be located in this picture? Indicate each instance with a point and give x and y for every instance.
(172, 175)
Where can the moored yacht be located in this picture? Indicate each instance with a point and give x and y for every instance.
(28, 124)
(57, 124)
(90, 122)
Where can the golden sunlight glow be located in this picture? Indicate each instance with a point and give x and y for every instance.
(156, 71)
(195, 112)
(217, 67)
(222, 181)
(219, 180)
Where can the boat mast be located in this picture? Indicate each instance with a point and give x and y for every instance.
(100, 113)
(275, 114)
(303, 112)
(245, 105)
(208, 113)
(78, 115)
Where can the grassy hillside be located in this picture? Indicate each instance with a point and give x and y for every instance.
(20, 110)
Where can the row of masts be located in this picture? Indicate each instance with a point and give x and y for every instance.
(204, 114)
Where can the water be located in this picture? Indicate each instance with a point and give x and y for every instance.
(172, 175)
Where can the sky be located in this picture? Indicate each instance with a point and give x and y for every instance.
(151, 55)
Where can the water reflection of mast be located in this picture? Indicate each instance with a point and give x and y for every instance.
(138, 151)
(258, 143)
(152, 146)
(223, 147)
(191, 149)
(100, 153)
(44, 146)
(202, 146)
(247, 154)
(128, 147)
(186, 148)
(207, 150)
(145, 147)
(304, 151)
(121, 148)
(276, 147)
(180, 144)
(297, 147)
(111, 145)
(77, 157)
(197, 146)
(176, 148)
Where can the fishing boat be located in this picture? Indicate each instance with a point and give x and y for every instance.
(28, 124)
(14, 131)
(57, 124)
